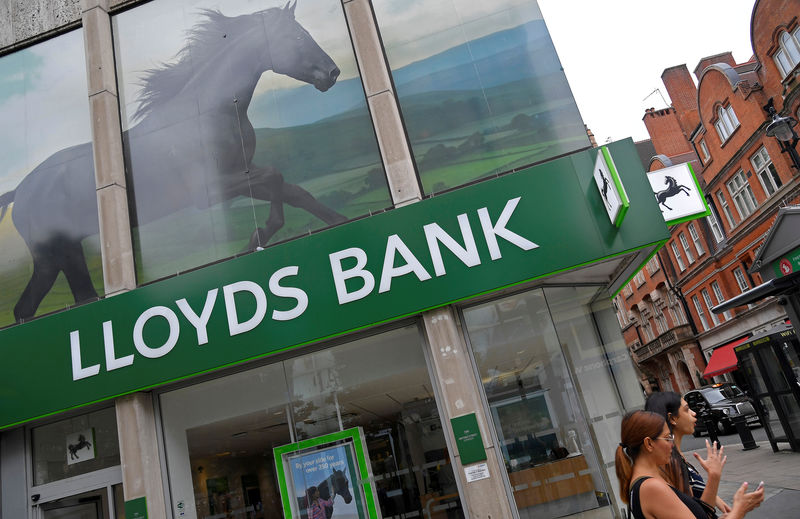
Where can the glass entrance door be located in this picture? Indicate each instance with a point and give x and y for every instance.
(94, 504)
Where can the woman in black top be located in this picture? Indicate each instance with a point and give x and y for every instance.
(646, 446)
(680, 473)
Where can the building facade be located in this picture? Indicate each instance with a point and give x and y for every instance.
(263, 258)
(719, 126)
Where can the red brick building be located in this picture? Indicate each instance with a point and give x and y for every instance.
(719, 125)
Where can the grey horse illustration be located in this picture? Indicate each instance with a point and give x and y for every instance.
(192, 146)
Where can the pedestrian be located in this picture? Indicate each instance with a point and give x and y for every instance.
(646, 447)
(317, 505)
(681, 474)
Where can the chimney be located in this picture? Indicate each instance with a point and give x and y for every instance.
(683, 93)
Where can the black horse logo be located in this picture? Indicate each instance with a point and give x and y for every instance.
(83, 443)
(193, 146)
(673, 188)
(604, 189)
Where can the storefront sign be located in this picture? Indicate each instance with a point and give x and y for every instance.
(136, 508)
(610, 187)
(789, 263)
(474, 240)
(81, 446)
(468, 439)
(678, 193)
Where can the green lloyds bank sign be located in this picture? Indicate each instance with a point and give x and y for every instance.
(478, 239)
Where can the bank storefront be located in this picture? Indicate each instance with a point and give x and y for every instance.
(351, 275)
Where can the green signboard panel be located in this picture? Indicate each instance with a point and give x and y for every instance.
(787, 264)
(468, 439)
(136, 508)
(474, 240)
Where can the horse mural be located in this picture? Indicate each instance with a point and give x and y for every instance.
(673, 188)
(335, 484)
(192, 146)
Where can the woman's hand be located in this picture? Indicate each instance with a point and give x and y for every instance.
(744, 501)
(714, 461)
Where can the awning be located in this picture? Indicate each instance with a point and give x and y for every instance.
(723, 359)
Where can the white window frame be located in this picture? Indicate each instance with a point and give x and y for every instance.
(639, 279)
(678, 256)
(652, 265)
(709, 305)
(742, 194)
(686, 248)
(698, 244)
(741, 281)
(699, 307)
(788, 55)
(766, 172)
(716, 227)
(726, 209)
(720, 298)
(726, 123)
(704, 150)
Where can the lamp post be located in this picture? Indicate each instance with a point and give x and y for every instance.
(782, 128)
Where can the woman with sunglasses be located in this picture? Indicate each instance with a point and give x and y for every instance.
(645, 448)
(680, 473)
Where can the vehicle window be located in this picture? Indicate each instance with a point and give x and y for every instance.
(714, 395)
(731, 391)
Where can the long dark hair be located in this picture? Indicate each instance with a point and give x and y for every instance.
(668, 404)
(636, 426)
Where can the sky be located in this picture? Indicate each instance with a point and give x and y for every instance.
(614, 52)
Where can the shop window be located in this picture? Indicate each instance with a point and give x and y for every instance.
(765, 169)
(533, 393)
(709, 305)
(720, 299)
(726, 122)
(788, 54)
(480, 88)
(686, 249)
(678, 256)
(700, 313)
(742, 195)
(220, 434)
(75, 446)
(226, 151)
(47, 158)
(726, 209)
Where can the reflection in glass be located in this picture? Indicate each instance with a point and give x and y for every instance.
(59, 452)
(543, 435)
(219, 435)
(242, 128)
(49, 248)
(480, 86)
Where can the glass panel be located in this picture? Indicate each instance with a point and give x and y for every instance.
(254, 114)
(88, 505)
(480, 86)
(792, 410)
(48, 174)
(219, 437)
(543, 436)
(773, 420)
(381, 383)
(774, 370)
(75, 446)
(793, 356)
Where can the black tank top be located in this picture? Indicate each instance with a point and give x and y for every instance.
(636, 509)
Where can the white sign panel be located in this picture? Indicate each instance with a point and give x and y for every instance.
(476, 472)
(80, 446)
(677, 193)
(606, 177)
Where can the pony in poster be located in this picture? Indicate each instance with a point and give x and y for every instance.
(322, 484)
(226, 145)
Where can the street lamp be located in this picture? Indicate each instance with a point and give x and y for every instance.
(782, 128)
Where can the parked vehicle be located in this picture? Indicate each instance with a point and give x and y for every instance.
(722, 402)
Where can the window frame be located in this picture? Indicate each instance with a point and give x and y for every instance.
(709, 304)
(788, 42)
(695, 236)
(767, 169)
(741, 280)
(678, 256)
(704, 150)
(741, 194)
(700, 314)
(726, 122)
(720, 298)
(686, 248)
(726, 208)
(715, 225)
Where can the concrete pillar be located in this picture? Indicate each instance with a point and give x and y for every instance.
(394, 147)
(460, 395)
(116, 246)
(688, 357)
(138, 449)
